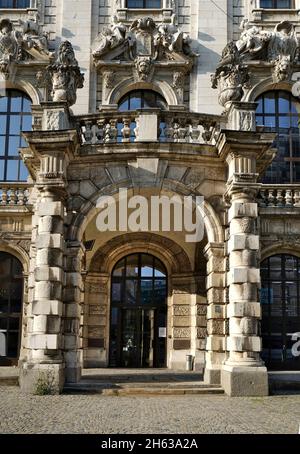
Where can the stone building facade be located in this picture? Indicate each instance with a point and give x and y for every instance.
(169, 98)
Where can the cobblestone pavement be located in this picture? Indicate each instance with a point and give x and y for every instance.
(22, 414)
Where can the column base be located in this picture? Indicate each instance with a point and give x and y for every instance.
(42, 379)
(73, 374)
(212, 376)
(239, 381)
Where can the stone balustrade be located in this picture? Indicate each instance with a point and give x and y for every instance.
(14, 194)
(147, 125)
(279, 196)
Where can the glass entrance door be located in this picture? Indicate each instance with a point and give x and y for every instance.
(138, 331)
(11, 294)
(280, 299)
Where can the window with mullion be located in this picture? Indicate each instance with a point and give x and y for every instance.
(276, 4)
(21, 4)
(147, 4)
(277, 112)
(15, 118)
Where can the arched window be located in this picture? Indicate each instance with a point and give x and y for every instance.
(15, 117)
(138, 312)
(279, 112)
(11, 295)
(142, 99)
(280, 300)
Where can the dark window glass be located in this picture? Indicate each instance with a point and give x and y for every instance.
(14, 3)
(280, 310)
(142, 99)
(15, 117)
(139, 279)
(279, 111)
(276, 4)
(144, 4)
(11, 293)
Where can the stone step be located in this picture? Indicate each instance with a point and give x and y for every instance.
(146, 389)
(9, 381)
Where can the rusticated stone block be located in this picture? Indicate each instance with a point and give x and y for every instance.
(182, 333)
(241, 210)
(201, 309)
(182, 310)
(216, 327)
(201, 321)
(201, 333)
(51, 209)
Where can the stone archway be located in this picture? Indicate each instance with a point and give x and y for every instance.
(187, 331)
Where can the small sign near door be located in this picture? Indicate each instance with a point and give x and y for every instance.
(162, 332)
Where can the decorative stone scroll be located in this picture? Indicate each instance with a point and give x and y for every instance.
(278, 48)
(18, 46)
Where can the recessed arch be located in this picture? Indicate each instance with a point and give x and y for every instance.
(166, 250)
(266, 85)
(17, 252)
(88, 209)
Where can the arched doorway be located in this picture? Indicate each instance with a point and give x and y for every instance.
(11, 296)
(138, 326)
(280, 298)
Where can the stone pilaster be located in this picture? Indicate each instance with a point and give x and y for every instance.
(243, 373)
(216, 312)
(51, 151)
(44, 337)
(73, 307)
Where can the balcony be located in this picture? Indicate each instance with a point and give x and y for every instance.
(280, 196)
(15, 195)
(151, 125)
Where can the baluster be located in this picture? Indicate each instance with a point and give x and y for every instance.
(195, 131)
(100, 131)
(207, 132)
(88, 132)
(262, 198)
(111, 131)
(280, 198)
(169, 130)
(126, 130)
(182, 131)
(289, 198)
(21, 197)
(297, 198)
(4, 196)
(176, 129)
(13, 197)
(271, 198)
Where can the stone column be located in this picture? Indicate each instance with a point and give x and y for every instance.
(244, 373)
(45, 361)
(73, 311)
(51, 151)
(216, 312)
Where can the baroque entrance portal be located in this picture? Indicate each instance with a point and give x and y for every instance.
(138, 327)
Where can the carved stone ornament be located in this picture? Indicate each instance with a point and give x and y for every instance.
(17, 46)
(231, 76)
(65, 75)
(109, 78)
(142, 38)
(143, 66)
(279, 47)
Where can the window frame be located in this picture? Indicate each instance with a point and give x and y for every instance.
(274, 5)
(6, 157)
(144, 5)
(15, 5)
(290, 134)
